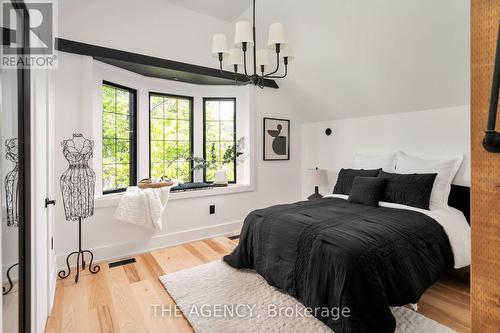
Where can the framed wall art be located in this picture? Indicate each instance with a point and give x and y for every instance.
(276, 139)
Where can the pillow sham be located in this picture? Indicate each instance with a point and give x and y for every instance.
(446, 169)
(367, 190)
(408, 189)
(386, 162)
(346, 177)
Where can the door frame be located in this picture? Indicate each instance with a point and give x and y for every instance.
(24, 182)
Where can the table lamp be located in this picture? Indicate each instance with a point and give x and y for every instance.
(316, 177)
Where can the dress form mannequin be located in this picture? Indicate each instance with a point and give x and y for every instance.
(78, 186)
(11, 184)
(78, 181)
(12, 197)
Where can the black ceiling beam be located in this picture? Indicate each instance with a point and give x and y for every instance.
(153, 66)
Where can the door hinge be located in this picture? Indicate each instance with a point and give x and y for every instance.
(49, 202)
(51, 243)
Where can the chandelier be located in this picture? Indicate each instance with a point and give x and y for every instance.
(237, 57)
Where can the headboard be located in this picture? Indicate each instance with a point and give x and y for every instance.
(460, 199)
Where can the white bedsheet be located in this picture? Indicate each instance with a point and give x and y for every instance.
(453, 222)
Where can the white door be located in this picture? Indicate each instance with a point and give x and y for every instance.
(43, 258)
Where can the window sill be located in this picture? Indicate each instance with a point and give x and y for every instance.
(111, 200)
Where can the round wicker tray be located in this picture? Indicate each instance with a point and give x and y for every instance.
(146, 183)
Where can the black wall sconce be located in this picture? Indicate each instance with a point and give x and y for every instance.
(491, 140)
(328, 131)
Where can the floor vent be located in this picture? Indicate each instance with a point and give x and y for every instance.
(234, 237)
(121, 262)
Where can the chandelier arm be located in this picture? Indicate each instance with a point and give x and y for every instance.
(277, 65)
(279, 76)
(222, 71)
(237, 82)
(245, 62)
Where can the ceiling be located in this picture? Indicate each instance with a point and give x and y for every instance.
(225, 10)
(353, 58)
(364, 58)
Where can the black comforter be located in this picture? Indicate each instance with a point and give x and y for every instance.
(334, 254)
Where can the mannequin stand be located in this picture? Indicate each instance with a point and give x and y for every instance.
(80, 254)
(5, 291)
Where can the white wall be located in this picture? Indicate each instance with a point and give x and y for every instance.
(185, 219)
(438, 132)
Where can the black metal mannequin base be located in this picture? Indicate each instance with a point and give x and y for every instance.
(80, 258)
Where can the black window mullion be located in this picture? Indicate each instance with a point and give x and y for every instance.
(131, 116)
(174, 143)
(219, 122)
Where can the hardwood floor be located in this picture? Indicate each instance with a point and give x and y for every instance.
(120, 299)
(10, 309)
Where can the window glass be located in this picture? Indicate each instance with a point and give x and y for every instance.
(118, 138)
(170, 137)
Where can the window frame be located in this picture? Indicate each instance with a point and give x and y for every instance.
(132, 135)
(191, 126)
(204, 100)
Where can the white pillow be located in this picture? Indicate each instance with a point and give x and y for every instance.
(387, 161)
(446, 169)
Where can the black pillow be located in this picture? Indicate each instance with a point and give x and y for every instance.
(346, 176)
(367, 190)
(408, 189)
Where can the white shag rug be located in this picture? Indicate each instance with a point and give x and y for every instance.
(216, 298)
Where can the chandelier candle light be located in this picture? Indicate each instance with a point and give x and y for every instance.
(244, 38)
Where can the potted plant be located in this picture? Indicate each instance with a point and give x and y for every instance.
(233, 153)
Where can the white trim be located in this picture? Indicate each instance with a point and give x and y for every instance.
(111, 200)
(125, 249)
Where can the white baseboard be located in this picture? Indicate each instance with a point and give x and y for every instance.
(125, 249)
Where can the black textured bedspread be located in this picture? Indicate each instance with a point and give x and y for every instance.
(332, 254)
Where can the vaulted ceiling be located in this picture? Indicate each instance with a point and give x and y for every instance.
(353, 58)
(226, 10)
(359, 58)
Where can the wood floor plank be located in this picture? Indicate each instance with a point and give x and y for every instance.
(217, 247)
(150, 270)
(151, 263)
(106, 322)
(120, 299)
(124, 303)
(54, 321)
(196, 253)
(131, 273)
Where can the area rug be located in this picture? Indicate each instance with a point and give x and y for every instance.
(216, 298)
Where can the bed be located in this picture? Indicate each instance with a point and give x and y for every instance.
(334, 254)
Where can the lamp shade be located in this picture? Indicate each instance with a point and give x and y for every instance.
(243, 34)
(317, 177)
(262, 58)
(235, 57)
(276, 35)
(219, 45)
(287, 51)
